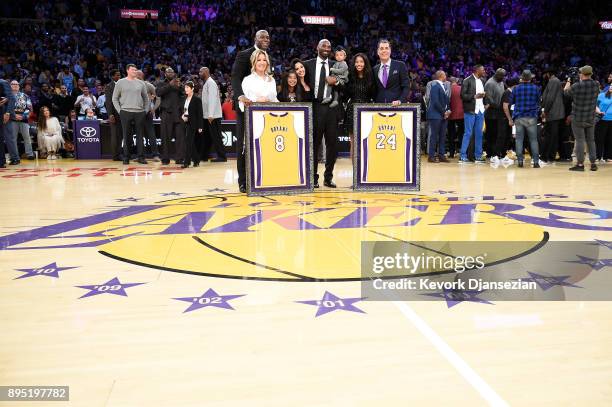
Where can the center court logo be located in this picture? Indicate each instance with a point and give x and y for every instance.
(303, 237)
(88, 132)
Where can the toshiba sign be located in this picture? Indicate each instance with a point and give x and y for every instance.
(606, 25)
(319, 20)
(140, 14)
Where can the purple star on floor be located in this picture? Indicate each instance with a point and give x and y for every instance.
(113, 286)
(130, 199)
(442, 192)
(330, 303)
(603, 243)
(172, 194)
(596, 264)
(50, 270)
(547, 282)
(209, 299)
(454, 297)
(216, 190)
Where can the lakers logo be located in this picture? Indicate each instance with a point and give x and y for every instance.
(301, 238)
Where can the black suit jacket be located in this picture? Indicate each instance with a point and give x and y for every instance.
(311, 73)
(398, 84)
(195, 114)
(468, 91)
(172, 99)
(108, 103)
(240, 70)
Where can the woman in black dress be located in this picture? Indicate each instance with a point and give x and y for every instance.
(194, 123)
(359, 89)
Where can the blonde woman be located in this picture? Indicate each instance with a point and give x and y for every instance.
(259, 86)
(49, 133)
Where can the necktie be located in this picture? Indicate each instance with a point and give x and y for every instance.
(321, 87)
(385, 77)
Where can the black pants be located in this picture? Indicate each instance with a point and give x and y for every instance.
(170, 128)
(455, 135)
(116, 137)
(603, 139)
(566, 145)
(240, 150)
(551, 137)
(212, 137)
(325, 127)
(490, 136)
(150, 134)
(132, 122)
(3, 128)
(190, 152)
(504, 135)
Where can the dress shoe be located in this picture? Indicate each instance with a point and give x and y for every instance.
(593, 167)
(185, 165)
(218, 160)
(142, 161)
(316, 184)
(577, 168)
(242, 189)
(31, 157)
(536, 165)
(178, 162)
(520, 164)
(197, 164)
(329, 184)
(126, 161)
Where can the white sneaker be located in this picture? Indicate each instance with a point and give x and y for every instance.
(494, 159)
(542, 163)
(49, 157)
(506, 162)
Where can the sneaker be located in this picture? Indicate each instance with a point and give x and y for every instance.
(543, 163)
(480, 161)
(577, 168)
(593, 167)
(506, 162)
(464, 161)
(494, 160)
(49, 157)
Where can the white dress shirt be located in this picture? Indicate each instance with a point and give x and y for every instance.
(317, 76)
(479, 102)
(381, 70)
(211, 103)
(255, 87)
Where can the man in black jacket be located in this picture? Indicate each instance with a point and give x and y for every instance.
(171, 106)
(472, 95)
(113, 116)
(324, 116)
(241, 69)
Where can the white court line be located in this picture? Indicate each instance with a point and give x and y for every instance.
(461, 365)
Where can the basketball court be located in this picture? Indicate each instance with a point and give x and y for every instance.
(161, 286)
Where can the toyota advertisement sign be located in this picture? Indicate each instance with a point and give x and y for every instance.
(87, 139)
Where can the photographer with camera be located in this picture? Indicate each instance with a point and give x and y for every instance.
(584, 99)
(172, 96)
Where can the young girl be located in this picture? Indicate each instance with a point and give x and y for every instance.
(50, 133)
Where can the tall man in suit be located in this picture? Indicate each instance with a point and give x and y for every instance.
(324, 116)
(438, 111)
(241, 69)
(391, 77)
(472, 96)
(171, 107)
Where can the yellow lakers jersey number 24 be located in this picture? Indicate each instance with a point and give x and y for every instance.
(386, 151)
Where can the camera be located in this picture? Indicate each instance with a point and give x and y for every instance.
(573, 74)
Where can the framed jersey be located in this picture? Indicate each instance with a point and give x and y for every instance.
(279, 148)
(386, 150)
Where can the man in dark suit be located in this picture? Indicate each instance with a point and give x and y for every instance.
(391, 77)
(113, 116)
(324, 116)
(241, 69)
(171, 106)
(7, 108)
(437, 112)
(472, 96)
